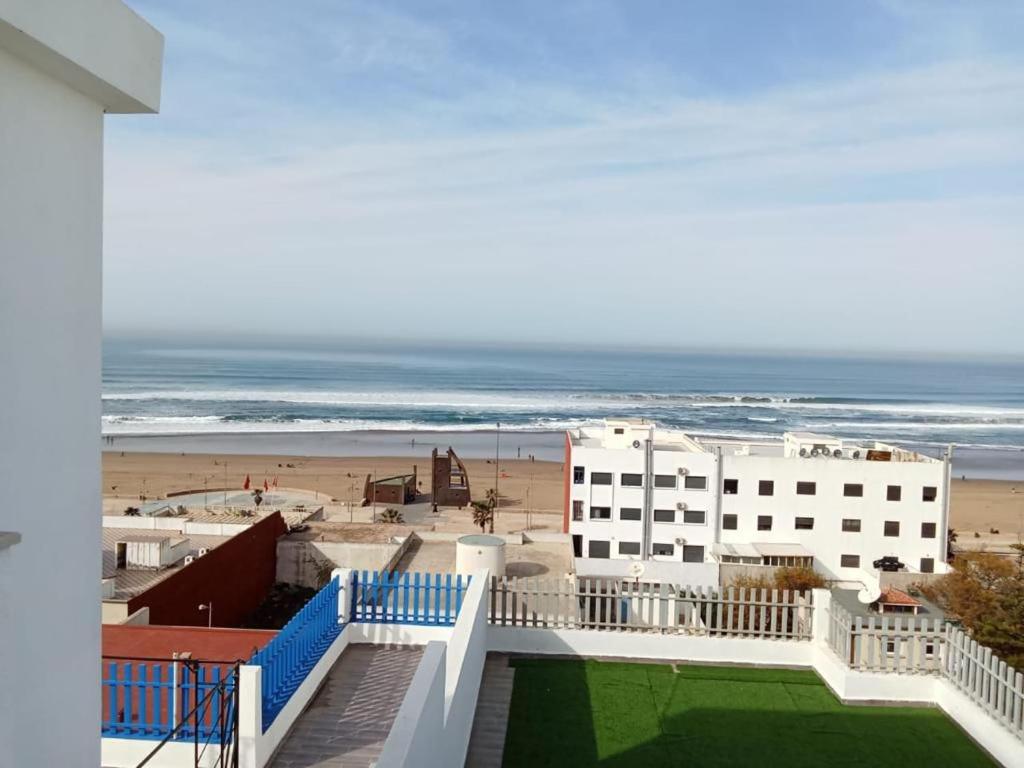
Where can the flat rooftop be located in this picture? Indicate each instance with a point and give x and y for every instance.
(130, 582)
(630, 433)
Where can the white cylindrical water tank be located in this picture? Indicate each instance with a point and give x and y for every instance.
(478, 551)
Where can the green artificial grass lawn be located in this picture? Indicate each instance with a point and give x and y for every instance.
(592, 713)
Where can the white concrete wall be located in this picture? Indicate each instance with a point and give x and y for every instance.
(417, 735)
(299, 562)
(828, 506)
(57, 68)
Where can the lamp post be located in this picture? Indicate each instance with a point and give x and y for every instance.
(497, 457)
(208, 607)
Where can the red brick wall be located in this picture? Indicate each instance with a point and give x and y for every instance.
(235, 577)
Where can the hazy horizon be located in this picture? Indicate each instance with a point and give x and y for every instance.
(842, 177)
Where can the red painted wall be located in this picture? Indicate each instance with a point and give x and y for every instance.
(566, 480)
(136, 641)
(235, 577)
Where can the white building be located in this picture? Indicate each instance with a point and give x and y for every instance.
(637, 492)
(63, 65)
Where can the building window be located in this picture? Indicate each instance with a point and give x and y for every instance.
(927, 530)
(600, 478)
(927, 565)
(764, 522)
(665, 481)
(577, 475)
(730, 487)
(577, 510)
(853, 489)
(629, 547)
(599, 549)
(695, 517)
(929, 493)
(729, 522)
(600, 513)
(620, 431)
(632, 481)
(695, 483)
(851, 525)
(804, 488)
(693, 554)
(849, 561)
(766, 488)
(804, 523)
(629, 513)
(893, 492)
(665, 550)
(664, 515)
(892, 527)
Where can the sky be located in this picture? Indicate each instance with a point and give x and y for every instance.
(802, 175)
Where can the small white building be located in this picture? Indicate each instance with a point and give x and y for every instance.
(637, 492)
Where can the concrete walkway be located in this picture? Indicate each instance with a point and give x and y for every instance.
(349, 720)
(487, 739)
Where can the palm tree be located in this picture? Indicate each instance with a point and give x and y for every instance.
(131, 511)
(483, 514)
(391, 516)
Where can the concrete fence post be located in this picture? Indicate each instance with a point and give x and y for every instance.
(820, 616)
(346, 578)
(250, 716)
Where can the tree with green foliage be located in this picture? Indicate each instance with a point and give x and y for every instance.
(483, 515)
(391, 516)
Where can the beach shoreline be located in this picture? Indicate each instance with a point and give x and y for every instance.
(543, 445)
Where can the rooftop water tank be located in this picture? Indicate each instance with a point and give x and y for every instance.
(478, 551)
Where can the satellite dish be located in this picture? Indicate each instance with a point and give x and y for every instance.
(636, 569)
(636, 443)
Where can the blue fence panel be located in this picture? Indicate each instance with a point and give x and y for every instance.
(295, 650)
(407, 598)
(146, 700)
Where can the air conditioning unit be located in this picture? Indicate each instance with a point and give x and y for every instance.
(684, 471)
(803, 451)
(681, 506)
(636, 443)
(189, 559)
(856, 454)
(203, 551)
(815, 452)
(837, 453)
(680, 541)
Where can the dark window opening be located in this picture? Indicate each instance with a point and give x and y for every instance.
(664, 515)
(631, 480)
(804, 523)
(599, 549)
(577, 510)
(764, 522)
(929, 493)
(729, 522)
(851, 525)
(629, 513)
(730, 486)
(892, 527)
(629, 547)
(893, 493)
(695, 483)
(577, 475)
(853, 489)
(695, 516)
(664, 481)
(805, 488)
(927, 530)
(600, 478)
(666, 550)
(849, 561)
(766, 488)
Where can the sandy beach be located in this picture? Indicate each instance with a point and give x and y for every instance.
(978, 506)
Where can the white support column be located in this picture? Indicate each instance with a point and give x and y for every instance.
(346, 577)
(250, 716)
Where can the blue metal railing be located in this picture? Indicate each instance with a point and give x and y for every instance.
(407, 598)
(295, 650)
(148, 700)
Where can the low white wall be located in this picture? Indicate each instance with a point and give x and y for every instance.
(300, 562)
(181, 525)
(994, 738)
(140, 617)
(591, 642)
(464, 656)
(128, 753)
(417, 735)
(397, 634)
(256, 748)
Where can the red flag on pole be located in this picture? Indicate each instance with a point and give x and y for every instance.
(266, 485)
(275, 481)
(246, 485)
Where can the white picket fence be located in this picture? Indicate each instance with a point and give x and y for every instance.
(911, 645)
(641, 606)
(989, 682)
(904, 644)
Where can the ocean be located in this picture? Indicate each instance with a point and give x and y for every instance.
(246, 395)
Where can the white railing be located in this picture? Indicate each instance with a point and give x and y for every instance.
(897, 643)
(989, 682)
(641, 606)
